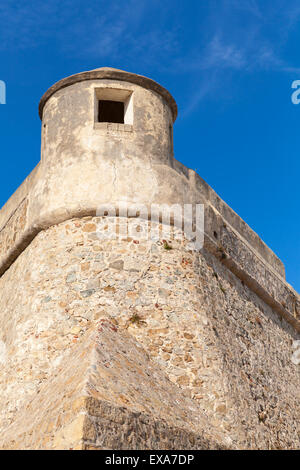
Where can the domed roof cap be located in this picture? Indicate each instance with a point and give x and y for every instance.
(110, 74)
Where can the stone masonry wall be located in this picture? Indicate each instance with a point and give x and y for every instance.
(212, 336)
(108, 394)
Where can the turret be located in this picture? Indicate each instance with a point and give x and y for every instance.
(107, 115)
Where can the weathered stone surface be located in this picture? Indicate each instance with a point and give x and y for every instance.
(206, 331)
(108, 394)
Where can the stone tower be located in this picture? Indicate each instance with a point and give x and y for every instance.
(131, 341)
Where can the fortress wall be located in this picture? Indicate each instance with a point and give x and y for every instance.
(38, 205)
(239, 225)
(188, 183)
(208, 332)
(82, 405)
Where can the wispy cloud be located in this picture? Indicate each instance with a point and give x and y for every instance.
(204, 89)
(228, 36)
(245, 37)
(220, 55)
(96, 30)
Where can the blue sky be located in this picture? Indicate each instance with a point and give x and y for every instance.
(229, 64)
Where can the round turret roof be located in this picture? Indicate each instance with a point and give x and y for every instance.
(110, 74)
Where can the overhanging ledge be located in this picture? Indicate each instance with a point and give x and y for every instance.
(110, 74)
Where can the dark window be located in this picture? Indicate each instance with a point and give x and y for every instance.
(111, 111)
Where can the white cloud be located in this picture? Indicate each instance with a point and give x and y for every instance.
(245, 37)
(231, 36)
(220, 55)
